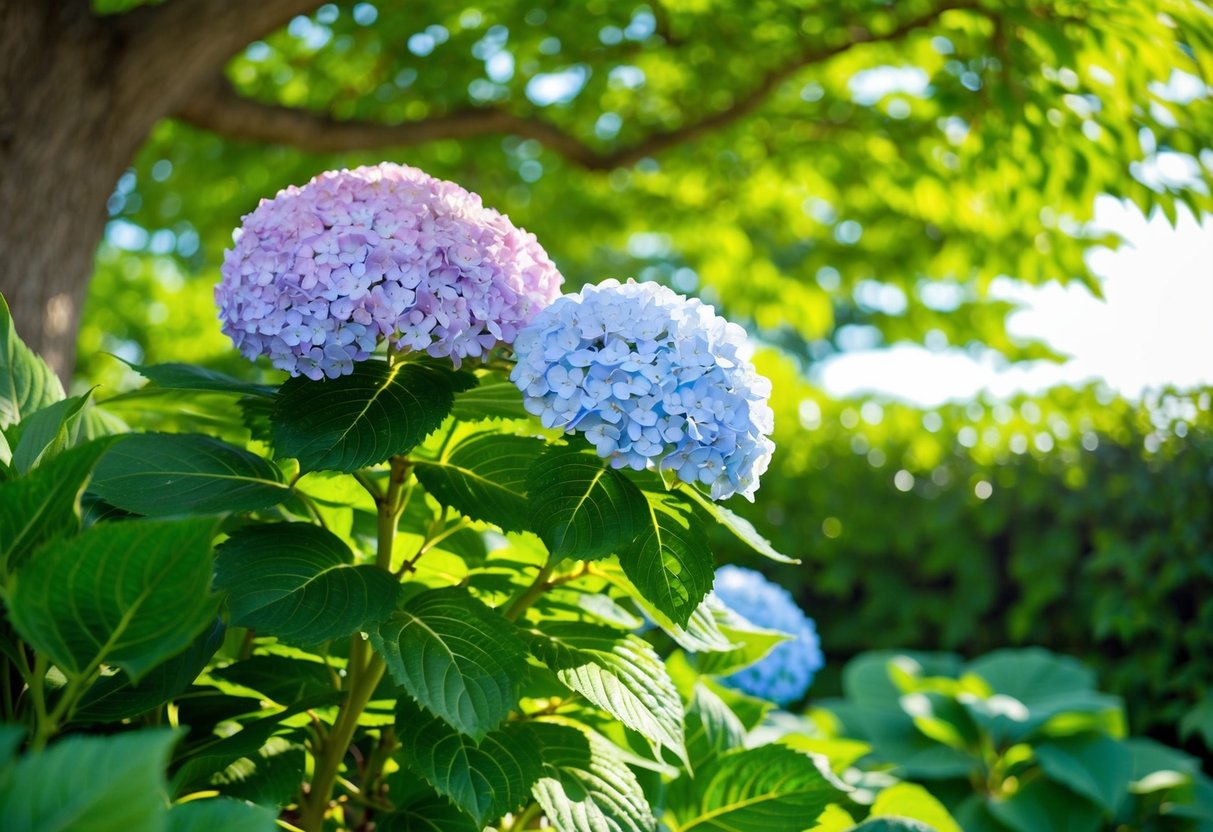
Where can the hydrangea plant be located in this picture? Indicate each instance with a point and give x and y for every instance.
(380, 593)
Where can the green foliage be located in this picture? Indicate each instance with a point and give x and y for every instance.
(90, 784)
(27, 384)
(581, 506)
(484, 478)
(296, 581)
(127, 594)
(1017, 740)
(1091, 537)
(791, 180)
(504, 674)
(485, 778)
(163, 475)
(364, 418)
(455, 657)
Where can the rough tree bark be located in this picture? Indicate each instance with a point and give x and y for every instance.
(78, 95)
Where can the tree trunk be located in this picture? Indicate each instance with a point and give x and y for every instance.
(78, 96)
(59, 160)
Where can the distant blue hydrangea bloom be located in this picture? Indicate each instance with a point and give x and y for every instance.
(786, 672)
(653, 379)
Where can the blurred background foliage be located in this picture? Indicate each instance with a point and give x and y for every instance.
(828, 173)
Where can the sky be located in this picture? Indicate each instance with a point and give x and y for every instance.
(1153, 328)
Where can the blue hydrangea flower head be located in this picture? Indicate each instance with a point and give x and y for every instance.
(784, 674)
(654, 380)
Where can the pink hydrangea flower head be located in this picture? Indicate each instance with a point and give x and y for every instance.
(319, 274)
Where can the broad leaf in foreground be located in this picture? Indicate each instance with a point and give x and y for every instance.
(456, 657)
(221, 814)
(420, 809)
(489, 400)
(586, 786)
(160, 474)
(47, 432)
(116, 697)
(669, 562)
(296, 581)
(173, 376)
(27, 384)
(362, 419)
(620, 673)
(484, 477)
(486, 779)
(1098, 768)
(45, 504)
(129, 594)
(741, 528)
(212, 755)
(766, 789)
(89, 784)
(580, 507)
(754, 642)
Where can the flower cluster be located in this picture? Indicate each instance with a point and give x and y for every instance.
(784, 674)
(649, 377)
(319, 274)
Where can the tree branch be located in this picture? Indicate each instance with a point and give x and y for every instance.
(164, 51)
(219, 108)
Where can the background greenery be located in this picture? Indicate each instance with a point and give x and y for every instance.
(800, 188)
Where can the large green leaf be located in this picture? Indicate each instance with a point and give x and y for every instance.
(620, 673)
(420, 809)
(753, 643)
(484, 477)
(489, 400)
(580, 507)
(189, 377)
(221, 814)
(910, 800)
(669, 561)
(45, 504)
(1042, 806)
(269, 776)
(771, 788)
(115, 697)
(295, 581)
(351, 422)
(280, 679)
(89, 784)
(741, 528)
(26, 382)
(586, 786)
(161, 474)
(455, 657)
(130, 594)
(1098, 768)
(1033, 675)
(46, 432)
(711, 727)
(212, 755)
(485, 779)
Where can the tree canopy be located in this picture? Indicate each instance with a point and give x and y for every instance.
(806, 165)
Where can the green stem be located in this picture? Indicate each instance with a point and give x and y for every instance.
(364, 669)
(523, 819)
(532, 593)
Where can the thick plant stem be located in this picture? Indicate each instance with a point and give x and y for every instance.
(532, 593)
(328, 763)
(365, 668)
